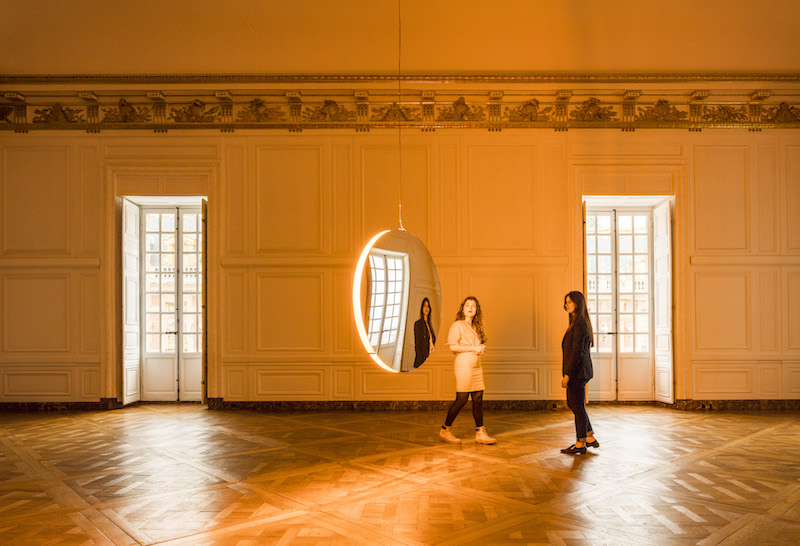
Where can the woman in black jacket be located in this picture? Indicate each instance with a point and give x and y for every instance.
(424, 336)
(577, 370)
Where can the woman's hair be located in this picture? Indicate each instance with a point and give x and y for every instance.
(581, 313)
(477, 320)
(422, 307)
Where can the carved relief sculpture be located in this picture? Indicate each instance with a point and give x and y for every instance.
(724, 114)
(783, 113)
(58, 114)
(329, 111)
(195, 113)
(259, 111)
(591, 110)
(529, 112)
(662, 110)
(125, 113)
(5, 111)
(396, 112)
(461, 111)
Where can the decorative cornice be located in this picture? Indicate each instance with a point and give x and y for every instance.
(508, 78)
(427, 102)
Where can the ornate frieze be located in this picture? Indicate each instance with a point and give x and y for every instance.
(426, 103)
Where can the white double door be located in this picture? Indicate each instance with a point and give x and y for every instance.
(628, 293)
(171, 303)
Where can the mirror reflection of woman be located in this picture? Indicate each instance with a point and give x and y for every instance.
(577, 369)
(424, 336)
(467, 340)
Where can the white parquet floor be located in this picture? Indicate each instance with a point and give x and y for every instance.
(181, 474)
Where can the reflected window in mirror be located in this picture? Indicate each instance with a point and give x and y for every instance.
(388, 286)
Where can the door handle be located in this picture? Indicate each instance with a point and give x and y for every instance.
(170, 332)
(607, 333)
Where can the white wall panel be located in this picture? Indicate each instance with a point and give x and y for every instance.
(720, 191)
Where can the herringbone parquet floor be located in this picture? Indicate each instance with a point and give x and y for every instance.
(181, 474)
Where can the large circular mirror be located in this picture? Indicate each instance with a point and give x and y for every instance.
(397, 301)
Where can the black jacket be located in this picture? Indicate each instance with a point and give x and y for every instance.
(422, 342)
(576, 361)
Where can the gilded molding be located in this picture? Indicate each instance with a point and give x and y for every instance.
(429, 102)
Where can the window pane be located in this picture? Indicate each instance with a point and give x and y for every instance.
(168, 242)
(189, 322)
(168, 322)
(626, 343)
(591, 264)
(641, 264)
(626, 323)
(168, 221)
(168, 282)
(190, 282)
(604, 284)
(151, 343)
(189, 343)
(604, 244)
(640, 224)
(151, 242)
(626, 283)
(152, 303)
(591, 303)
(604, 264)
(189, 222)
(625, 224)
(190, 303)
(642, 303)
(604, 304)
(642, 323)
(642, 343)
(189, 243)
(151, 283)
(626, 264)
(604, 344)
(168, 303)
(591, 222)
(151, 222)
(625, 244)
(642, 284)
(153, 323)
(152, 262)
(604, 324)
(591, 244)
(591, 283)
(640, 244)
(168, 263)
(604, 224)
(168, 343)
(190, 262)
(626, 303)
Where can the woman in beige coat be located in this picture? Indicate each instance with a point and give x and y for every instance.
(467, 341)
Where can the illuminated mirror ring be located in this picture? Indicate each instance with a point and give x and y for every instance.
(395, 287)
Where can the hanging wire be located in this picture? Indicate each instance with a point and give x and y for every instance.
(399, 117)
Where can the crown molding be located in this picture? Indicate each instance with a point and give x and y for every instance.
(691, 101)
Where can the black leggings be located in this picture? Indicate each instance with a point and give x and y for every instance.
(461, 401)
(576, 396)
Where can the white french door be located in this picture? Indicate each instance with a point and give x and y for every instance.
(171, 252)
(619, 281)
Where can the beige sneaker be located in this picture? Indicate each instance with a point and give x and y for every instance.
(481, 437)
(447, 436)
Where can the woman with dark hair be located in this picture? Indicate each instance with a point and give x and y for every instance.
(424, 336)
(576, 367)
(467, 341)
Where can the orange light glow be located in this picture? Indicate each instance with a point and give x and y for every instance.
(357, 313)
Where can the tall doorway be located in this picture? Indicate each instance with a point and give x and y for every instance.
(628, 286)
(163, 278)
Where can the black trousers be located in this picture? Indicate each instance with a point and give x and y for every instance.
(576, 401)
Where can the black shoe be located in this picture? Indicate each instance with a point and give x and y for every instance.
(572, 450)
(593, 444)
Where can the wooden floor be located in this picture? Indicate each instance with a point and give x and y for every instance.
(181, 474)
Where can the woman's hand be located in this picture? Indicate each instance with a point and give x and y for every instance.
(564, 381)
(480, 349)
